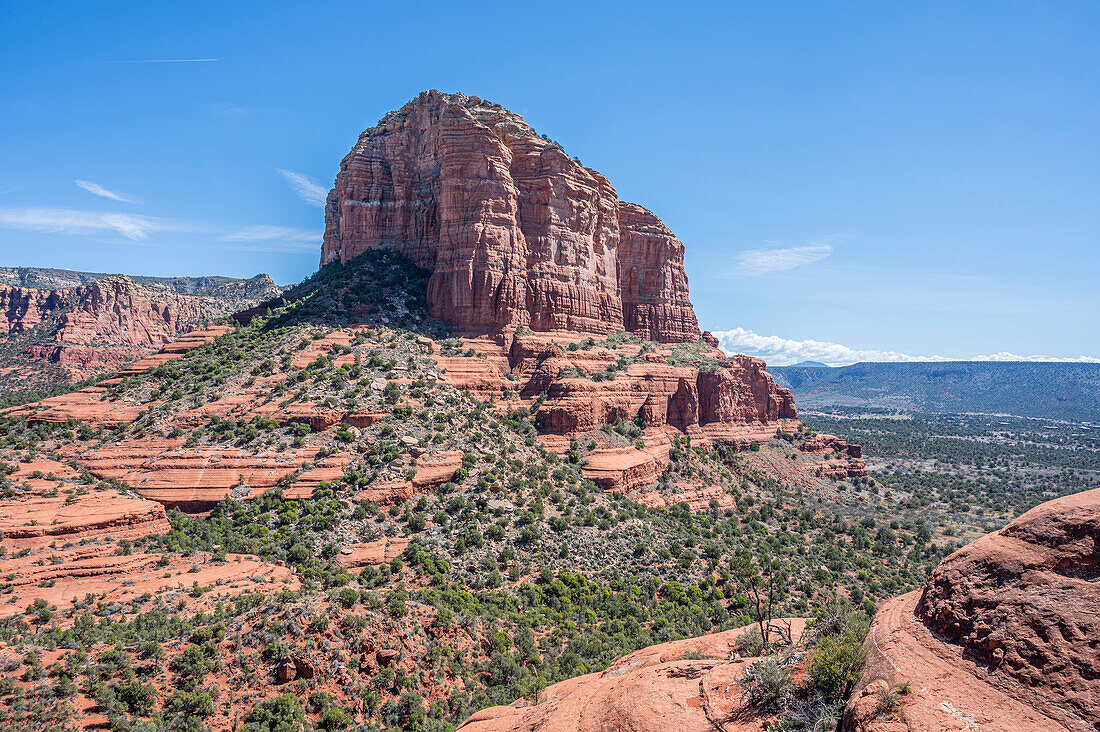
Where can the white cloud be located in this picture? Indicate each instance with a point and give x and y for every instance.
(167, 61)
(307, 189)
(765, 261)
(229, 111)
(779, 351)
(276, 238)
(97, 190)
(69, 221)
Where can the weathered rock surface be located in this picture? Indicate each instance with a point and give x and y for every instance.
(372, 553)
(1003, 636)
(683, 685)
(514, 232)
(709, 397)
(89, 404)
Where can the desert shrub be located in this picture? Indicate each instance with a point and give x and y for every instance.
(836, 661)
(282, 713)
(887, 702)
(138, 698)
(751, 643)
(766, 685)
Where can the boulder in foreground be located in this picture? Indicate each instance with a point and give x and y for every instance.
(1003, 637)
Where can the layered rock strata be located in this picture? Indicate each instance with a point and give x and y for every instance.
(514, 231)
(108, 323)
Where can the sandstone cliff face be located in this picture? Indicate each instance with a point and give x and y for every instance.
(514, 232)
(22, 308)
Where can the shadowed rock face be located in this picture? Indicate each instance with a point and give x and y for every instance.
(514, 232)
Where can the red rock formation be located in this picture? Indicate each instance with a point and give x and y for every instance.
(433, 469)
(21, 308)
(683, 685)
(514, 232)
(1026, 601)
(708, 404)
(114, 309)
(820, 443)
(710, 397)
(1003, 636)
(372, 553)
(104, 325)
(66, 542)
(88, 405)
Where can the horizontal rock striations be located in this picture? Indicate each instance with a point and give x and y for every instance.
(514, 232)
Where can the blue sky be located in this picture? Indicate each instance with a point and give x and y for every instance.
(853, 181)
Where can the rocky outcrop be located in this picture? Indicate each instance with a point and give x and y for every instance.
(89, 404)
(65, 541)
(114, 309)
(1003, 636)
(710, 401)
(514, 232)
(1026, 601)
(683, 685)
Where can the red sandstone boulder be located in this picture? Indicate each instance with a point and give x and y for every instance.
(1003, 637)
(1026, 601)
(284, 672)
(689, 685)
(303, 669)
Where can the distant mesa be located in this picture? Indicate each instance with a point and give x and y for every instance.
(61, 326)
(514, 231)
(810, 364)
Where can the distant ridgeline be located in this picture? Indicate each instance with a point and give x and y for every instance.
(1069, 391)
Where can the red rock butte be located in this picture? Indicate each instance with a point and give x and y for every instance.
(513, 230)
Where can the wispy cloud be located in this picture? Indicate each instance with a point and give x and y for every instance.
(286, 239)
(97, 190)
(779, 351)
(70, 221)
(229, 111)
(276, 238)
(307, 189)
(165, 61)
(756, 262)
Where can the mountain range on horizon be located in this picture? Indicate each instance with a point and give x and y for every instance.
(1050, 390)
